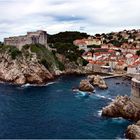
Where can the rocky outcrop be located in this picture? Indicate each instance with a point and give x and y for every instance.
(98, 81)
(21, 71)
(72, 67)
(133, 131)
(122, 107)
(86, 86)
(34, 64)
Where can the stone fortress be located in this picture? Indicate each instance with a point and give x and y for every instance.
(31, 38)
(135, 93)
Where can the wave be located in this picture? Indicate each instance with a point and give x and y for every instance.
(104, 97)
(100, 96)
(34, 85)
(119, 120)
(99, 112)
(81, 94)
(26, 85)
(51, 83)
(119, 138)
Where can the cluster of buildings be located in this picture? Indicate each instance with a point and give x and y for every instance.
(86, 43)
(112, 60)
(106, 56)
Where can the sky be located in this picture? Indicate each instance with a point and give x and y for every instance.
(91, 16)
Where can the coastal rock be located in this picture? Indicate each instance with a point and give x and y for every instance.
(102, 84)
(122, 107)
(86, 86)
(73, 68)
(22, 71)
(39, 75)
(98, 81)
(91, 78)
(133, 131)
(20, 79)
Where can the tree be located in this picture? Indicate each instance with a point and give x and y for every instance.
(138, 53)
(66, 37)
(1, 43)
(115, 43)
(92, 51)
(94, 46)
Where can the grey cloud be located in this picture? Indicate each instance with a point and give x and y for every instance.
(92, 16)
(68, 18)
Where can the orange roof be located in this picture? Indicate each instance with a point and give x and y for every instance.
(110, 51)
(121, 62)
(135, 56)
(97, 62)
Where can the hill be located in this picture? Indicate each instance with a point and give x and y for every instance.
(66, 37)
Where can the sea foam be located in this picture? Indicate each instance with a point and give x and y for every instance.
(99, 113)
(104, 97)
(34, 85)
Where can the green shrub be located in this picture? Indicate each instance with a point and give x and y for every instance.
(84, 62)
(44, 56)
(15, 53)
(94, 46)
(61, 66)
(138, 53)
(44, 62)
(26, 47)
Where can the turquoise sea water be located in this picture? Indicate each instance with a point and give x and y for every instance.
(55, 111)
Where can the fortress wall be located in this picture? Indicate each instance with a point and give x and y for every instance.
(43, 38)
(31, 38)
(135, 91)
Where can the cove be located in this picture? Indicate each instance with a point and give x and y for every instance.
(55, 111)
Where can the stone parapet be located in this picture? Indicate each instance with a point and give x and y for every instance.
(135, 91)
(31, 38)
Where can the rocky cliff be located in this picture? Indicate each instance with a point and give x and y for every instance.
(122, 107)
(133, 131)
(34, 64)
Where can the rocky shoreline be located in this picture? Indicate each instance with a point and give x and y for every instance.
(122, 106)
(33, 65)
(133, 131)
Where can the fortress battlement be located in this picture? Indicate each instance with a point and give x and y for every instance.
(31, 38)
(135, 90)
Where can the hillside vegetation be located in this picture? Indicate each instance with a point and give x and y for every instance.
(62, 43)
(35, 52)
(66, 37)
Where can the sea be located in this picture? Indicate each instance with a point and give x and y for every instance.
(55, 111)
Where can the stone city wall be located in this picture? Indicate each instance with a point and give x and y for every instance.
(31, 38)
(135, 91)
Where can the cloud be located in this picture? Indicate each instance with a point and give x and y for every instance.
(91, 16)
